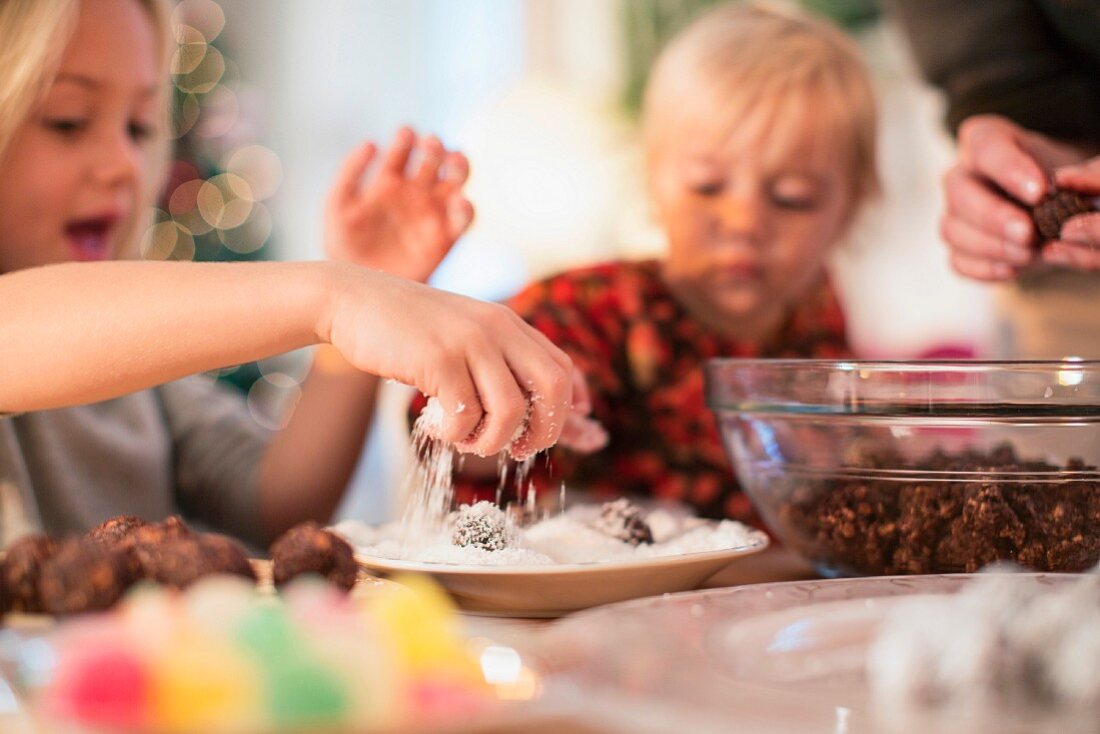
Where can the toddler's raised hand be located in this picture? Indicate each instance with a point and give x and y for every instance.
(400, 221)
(491, 372)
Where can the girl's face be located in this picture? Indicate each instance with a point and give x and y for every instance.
(749, 217)
(72, 178)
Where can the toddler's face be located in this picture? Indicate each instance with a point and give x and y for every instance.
(72, 177)
(749, 216)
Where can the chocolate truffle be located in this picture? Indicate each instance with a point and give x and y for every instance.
(1055, 209)
(624, 520)
(182, 560)
(310, 549)
(20, 572)
(113, 531)
(481, 525)
(83, 576)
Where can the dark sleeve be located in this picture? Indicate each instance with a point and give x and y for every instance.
(1002, 57)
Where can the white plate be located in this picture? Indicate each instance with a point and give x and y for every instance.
(557, 589)
(777, 658)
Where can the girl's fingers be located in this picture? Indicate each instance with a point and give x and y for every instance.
(968, 240)
(583, 434)
(503, 403)
(428, 171)
(350, 177)
(458, 396)
(582, 399)
(992, 271)
(972, 201)
(556, 353)
(397, 157)
(551, 390)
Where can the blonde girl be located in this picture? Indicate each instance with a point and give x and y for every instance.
(82, 149)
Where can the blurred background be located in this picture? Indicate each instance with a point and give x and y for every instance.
(542, 97)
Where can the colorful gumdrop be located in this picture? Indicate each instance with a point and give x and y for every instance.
(268, 633)
(420, 623)
(301, 693)
(203, 686)
(103, 686)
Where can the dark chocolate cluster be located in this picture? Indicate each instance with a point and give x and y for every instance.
(1008, 509)
(92, 572)
(1056, 209)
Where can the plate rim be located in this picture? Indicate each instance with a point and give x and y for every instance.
(391, 565)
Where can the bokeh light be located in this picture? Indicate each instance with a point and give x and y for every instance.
(272, 399)
(185, 114)
(225, 201)
(259, 166)
(250, 236)
(219, 112)
(211, 203)
(206, 16)
(204, 77)
(168, 240)
(184, 208)
(191, 47)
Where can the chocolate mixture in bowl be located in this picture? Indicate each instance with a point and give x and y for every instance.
(1007, 509)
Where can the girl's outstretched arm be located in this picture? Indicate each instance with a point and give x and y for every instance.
(82, 332)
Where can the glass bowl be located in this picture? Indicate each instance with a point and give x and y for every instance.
(870, 468)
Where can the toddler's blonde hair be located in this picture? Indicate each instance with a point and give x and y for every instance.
(33, 38)
(740, 60)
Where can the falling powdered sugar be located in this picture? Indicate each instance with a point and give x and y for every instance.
(428, 489)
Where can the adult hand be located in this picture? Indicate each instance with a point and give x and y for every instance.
(399, 221)
(1079, 244)
(1002, 169)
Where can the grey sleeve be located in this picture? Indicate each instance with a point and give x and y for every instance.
(1002, 57)
(217, 448)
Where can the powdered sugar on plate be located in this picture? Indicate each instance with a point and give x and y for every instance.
(568, 538)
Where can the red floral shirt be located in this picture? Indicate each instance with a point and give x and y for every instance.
(642, 354)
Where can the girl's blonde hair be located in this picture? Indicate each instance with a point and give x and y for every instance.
(33, 37)
(739, 60)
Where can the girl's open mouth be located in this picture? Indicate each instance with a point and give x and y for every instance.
(91, 238)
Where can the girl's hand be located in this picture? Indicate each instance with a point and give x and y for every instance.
(491, 372)
(581, 432)
(400, 222)
(1079, 245)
